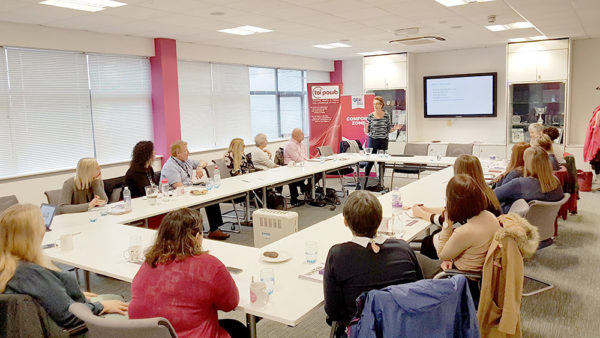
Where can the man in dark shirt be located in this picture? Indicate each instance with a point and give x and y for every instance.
(367, 262)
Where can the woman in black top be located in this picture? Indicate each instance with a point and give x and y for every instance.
(140, 173)
(25, 270)
(378, 127)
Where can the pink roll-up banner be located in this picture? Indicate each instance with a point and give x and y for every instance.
(324, 113)
(355, 110)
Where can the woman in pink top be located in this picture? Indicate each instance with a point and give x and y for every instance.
(184, 284)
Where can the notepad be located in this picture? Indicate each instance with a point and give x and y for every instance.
(315, 274)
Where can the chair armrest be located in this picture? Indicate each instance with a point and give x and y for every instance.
(452, 272)
(77, 330)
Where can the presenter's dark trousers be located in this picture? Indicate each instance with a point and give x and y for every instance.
(376, 144)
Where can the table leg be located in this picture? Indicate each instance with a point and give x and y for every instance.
(251, 323)
(264, 197)
(381, 172)
(312, 186)
(324, 182)
(358, 176)
(247, 207)
(86, 276)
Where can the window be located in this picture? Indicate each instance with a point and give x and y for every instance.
(278, 101)
(54, 109)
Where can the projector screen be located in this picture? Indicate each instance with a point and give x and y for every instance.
(465, 95)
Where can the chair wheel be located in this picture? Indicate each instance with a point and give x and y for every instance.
(233, 227)
(332, 207)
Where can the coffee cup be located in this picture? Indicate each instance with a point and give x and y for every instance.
(258, 294)
(65, 242)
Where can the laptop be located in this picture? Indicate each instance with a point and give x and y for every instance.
(48, 212)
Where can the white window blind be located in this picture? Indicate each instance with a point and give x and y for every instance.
(49, 120)
(231, 103)
(121, 97)
(315, 76)
(263, 102)
(195, 91)
(291, 114)
(6, 159)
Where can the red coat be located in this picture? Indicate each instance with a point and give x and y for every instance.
(592, 137)
(187, 293)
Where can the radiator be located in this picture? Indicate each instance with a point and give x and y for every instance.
(271, 225)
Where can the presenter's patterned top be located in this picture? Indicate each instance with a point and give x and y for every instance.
(379, 128)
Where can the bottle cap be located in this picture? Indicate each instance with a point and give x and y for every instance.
(164, 180)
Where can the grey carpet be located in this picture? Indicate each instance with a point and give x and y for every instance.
(571, 309)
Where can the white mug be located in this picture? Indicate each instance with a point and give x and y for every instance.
(258, 294)
(65, 242)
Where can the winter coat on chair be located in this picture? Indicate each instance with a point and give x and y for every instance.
(499, 312)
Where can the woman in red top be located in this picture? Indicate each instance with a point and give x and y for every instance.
(184, 284)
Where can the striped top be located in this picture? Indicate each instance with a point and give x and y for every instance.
(379, 128)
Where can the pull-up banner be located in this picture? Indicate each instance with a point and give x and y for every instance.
(324, 113)
(355, 110)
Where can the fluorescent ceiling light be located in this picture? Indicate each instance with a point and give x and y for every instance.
(519, 25)
(539, 37)
(377, 52)
(84, 5)
(517, 39)
(324, 46)
(450, 3)
(339, 45)
(497, 28)
(245, 30)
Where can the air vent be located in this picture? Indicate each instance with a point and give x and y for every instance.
(419, 40)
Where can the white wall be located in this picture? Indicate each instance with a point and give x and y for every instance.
(585, 78)
(36, 36)
(490, 130)
(30, 189)
(352, 76)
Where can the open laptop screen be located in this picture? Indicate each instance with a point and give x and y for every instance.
(48, 212)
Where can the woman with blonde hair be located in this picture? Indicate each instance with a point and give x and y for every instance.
(85, 190)
(236, 160)
(185, 284)
(515, 166)
(25, 270)
(538, 181)
(466, 165)
(545, 143)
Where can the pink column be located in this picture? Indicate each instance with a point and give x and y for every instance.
(165, 96)
(336, 75)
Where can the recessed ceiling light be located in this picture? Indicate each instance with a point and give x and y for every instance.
(339, 45)
(377, 52)
(244, 30)
(519, 25)
(84, 5)
(217, 13)
(456, 27)
(324, 46)
(450, 3)
(517, 39)
(539, 37)
(497, 28)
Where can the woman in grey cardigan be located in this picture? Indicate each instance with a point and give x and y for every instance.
(85, 190)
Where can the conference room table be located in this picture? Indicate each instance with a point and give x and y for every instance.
(99, 246)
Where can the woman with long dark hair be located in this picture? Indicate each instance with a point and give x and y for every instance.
(140, 173)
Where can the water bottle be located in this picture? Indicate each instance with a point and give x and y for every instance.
(127, 198)
(216, 178)
(164, 189)
(396, 202)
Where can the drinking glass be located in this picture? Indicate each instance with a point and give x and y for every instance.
(93, 214)
(369, 151)
(209, 184)
(151, 194)
(311, 250)
(267, 276)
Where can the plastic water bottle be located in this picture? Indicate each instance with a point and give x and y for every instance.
(127, 198)
(396, 202)
(164, 189)
(216, 178)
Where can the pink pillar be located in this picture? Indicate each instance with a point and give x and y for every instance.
(165, 96)
(336, 75)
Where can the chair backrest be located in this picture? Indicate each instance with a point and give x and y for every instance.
(325, 151)
(7, 201)
(220, 163)
(121, 328)
(457, 149)
(113, 188)
(543, 214)
(416, 149)
(21, 316)
(210, 169)
(278, 159)
(519, 207)
(53, 196)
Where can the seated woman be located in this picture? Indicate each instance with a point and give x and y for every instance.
(140, 173)
(515, 166)
(183, 283)
(538, 181)
(367, 262)
(25, 270)
(545, 143)
(85, 190)
(236, 160)
(464, 164)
